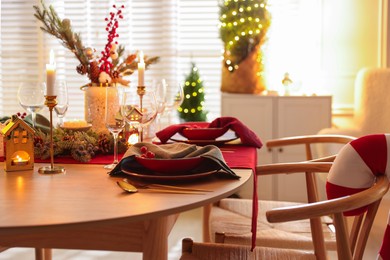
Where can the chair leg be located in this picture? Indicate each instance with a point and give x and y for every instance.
(206, 222)
(43, 254)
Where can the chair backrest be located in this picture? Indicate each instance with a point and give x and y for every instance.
(308, 141)
(372, 106)
(311, 181)
(349, 246)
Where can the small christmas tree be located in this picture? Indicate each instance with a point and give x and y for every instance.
(192, 107)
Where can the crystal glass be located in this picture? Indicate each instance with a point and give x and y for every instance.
(160, 91)
(31, 96)
(139, 112)
(61, 90)
(113, 119)
(174, 99)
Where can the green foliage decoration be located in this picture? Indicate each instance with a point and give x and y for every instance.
(81, 146)
(243, 25)
(192, 108)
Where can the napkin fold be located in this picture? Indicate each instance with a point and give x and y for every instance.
(212, 155)
(247, 136)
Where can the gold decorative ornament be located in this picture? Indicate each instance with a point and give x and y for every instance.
(19, 145)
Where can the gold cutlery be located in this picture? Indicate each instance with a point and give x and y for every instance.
(142, 185)
(132, 189)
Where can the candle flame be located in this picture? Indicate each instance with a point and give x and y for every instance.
(52, 58)
(141, 57)
(133, 138)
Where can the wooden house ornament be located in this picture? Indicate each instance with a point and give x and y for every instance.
(18, 145)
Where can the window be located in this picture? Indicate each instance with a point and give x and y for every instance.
(179, 31)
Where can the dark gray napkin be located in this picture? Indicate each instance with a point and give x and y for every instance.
(213, 159)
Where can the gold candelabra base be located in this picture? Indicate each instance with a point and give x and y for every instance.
(51, 102)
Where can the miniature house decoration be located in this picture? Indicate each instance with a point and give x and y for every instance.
(18, 145)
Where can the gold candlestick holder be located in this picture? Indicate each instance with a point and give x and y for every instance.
(51, 102)
(141, 93)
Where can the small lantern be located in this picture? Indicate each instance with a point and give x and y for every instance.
(18, 145)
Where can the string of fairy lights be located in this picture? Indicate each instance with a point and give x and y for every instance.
(243, 25)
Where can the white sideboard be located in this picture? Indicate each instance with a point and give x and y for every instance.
(274, 117)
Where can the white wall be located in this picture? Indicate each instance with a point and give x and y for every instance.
(353, 36)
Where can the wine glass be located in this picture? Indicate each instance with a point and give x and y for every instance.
(139, 111)
(174, 99)
(61, 89)
(31, 96)
(160, 90)
(113, 119)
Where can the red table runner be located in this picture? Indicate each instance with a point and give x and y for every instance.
(236, 156)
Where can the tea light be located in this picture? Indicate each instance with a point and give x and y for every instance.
(19, 161)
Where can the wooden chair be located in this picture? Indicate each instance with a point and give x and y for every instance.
(211, 251)
(233, 216)
(350, 245)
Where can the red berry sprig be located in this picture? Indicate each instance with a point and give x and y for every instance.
(146, 153)
(111, 28)
(22, 116)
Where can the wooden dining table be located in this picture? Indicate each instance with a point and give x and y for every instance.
(85, 209)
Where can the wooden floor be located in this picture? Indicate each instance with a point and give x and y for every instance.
(189, 225)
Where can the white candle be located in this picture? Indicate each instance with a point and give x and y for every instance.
(50, 75)
(141, 69)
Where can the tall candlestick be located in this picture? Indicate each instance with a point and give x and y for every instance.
(141, 69)
(50, 75)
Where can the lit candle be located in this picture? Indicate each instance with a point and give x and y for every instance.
(19, 160)
(141, 69)
(50, 75)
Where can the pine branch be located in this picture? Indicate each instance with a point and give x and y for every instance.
(62, 30)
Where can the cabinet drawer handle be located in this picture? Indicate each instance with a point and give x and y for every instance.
(280, 150)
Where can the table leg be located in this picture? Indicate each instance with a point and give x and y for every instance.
(155, 245)
(43, 254)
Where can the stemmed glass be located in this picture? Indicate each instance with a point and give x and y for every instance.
(137, 114)
(173, 100)
(61, 90)
(113, 119)
(160, 90)
(31, 96)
